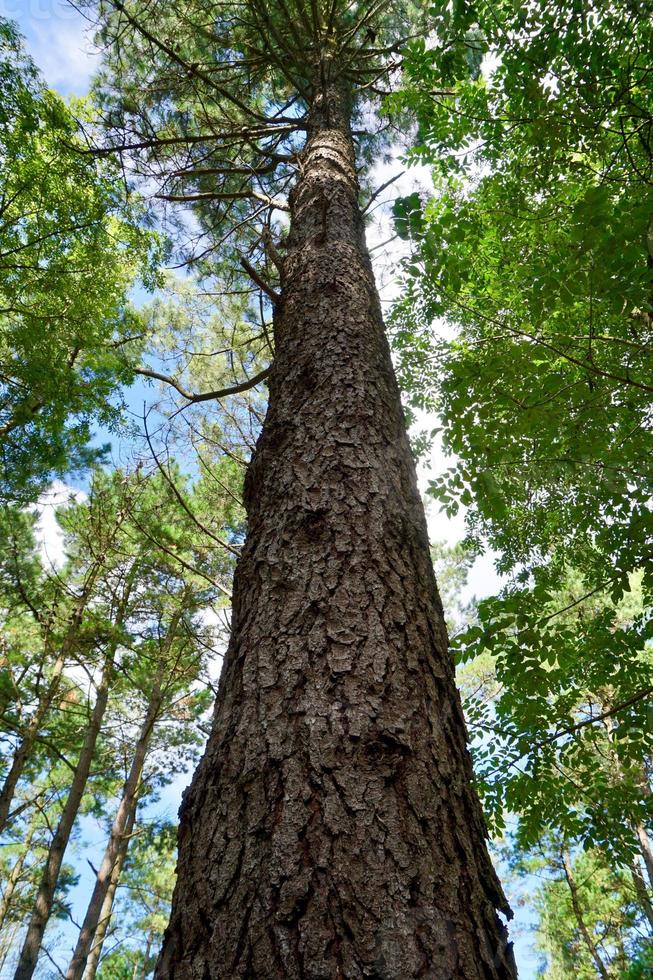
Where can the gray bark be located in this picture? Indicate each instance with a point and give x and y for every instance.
(332, 829)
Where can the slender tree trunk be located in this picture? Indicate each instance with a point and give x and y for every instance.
(117, 838)
(148, 950)
(639, 829)
(95, 951)
(45, 895)
(331, 829)
(29, 736)
(7, 944)
(646, 850)
(578, 914)
(641, 891)
(24, 748)
(14, 876)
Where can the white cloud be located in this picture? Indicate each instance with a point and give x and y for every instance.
(59, 39)
(49, 535)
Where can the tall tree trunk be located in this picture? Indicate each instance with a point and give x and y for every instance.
(124, 815)
(23, 750)
(331, 829)
(26, 744)
(578, 914)
(639, 829)
(95, 951)
(8, 944)
(14, 875)
(146, 957)
(646, 850)
(45, 895)
(641, 891)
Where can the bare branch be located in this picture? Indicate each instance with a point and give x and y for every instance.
(206, 396)
(261, 283)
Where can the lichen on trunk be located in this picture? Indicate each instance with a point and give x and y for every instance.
(332, 829)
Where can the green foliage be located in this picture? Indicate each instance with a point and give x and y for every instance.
(605, 915)
(527, 320)
(536, 250)
(125, 964)
(571, 727)
(533, 261)
(143, 905)
(138, 596)
(408, 217)
(70, 250)
(641, 968)
(451, 564)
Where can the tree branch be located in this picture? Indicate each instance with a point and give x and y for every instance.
(591, 721)
(261, 283)
(205, 396)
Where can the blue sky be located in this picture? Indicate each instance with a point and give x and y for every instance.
(60, 42)
(55, 34)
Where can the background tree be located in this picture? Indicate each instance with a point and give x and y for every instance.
(589, 919)
(544, 202)
(126, 713)
(145, 900)
(70, 250)
(561, 773)
(240, 117)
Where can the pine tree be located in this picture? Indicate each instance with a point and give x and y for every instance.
(332, 829)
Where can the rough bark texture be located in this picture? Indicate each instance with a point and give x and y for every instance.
(331, 829)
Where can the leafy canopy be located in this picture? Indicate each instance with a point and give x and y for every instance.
(527, 321)
(70, 250)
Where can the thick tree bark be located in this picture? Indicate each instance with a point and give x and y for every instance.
(331, 829)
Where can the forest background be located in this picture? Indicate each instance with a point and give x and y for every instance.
(56, 40)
